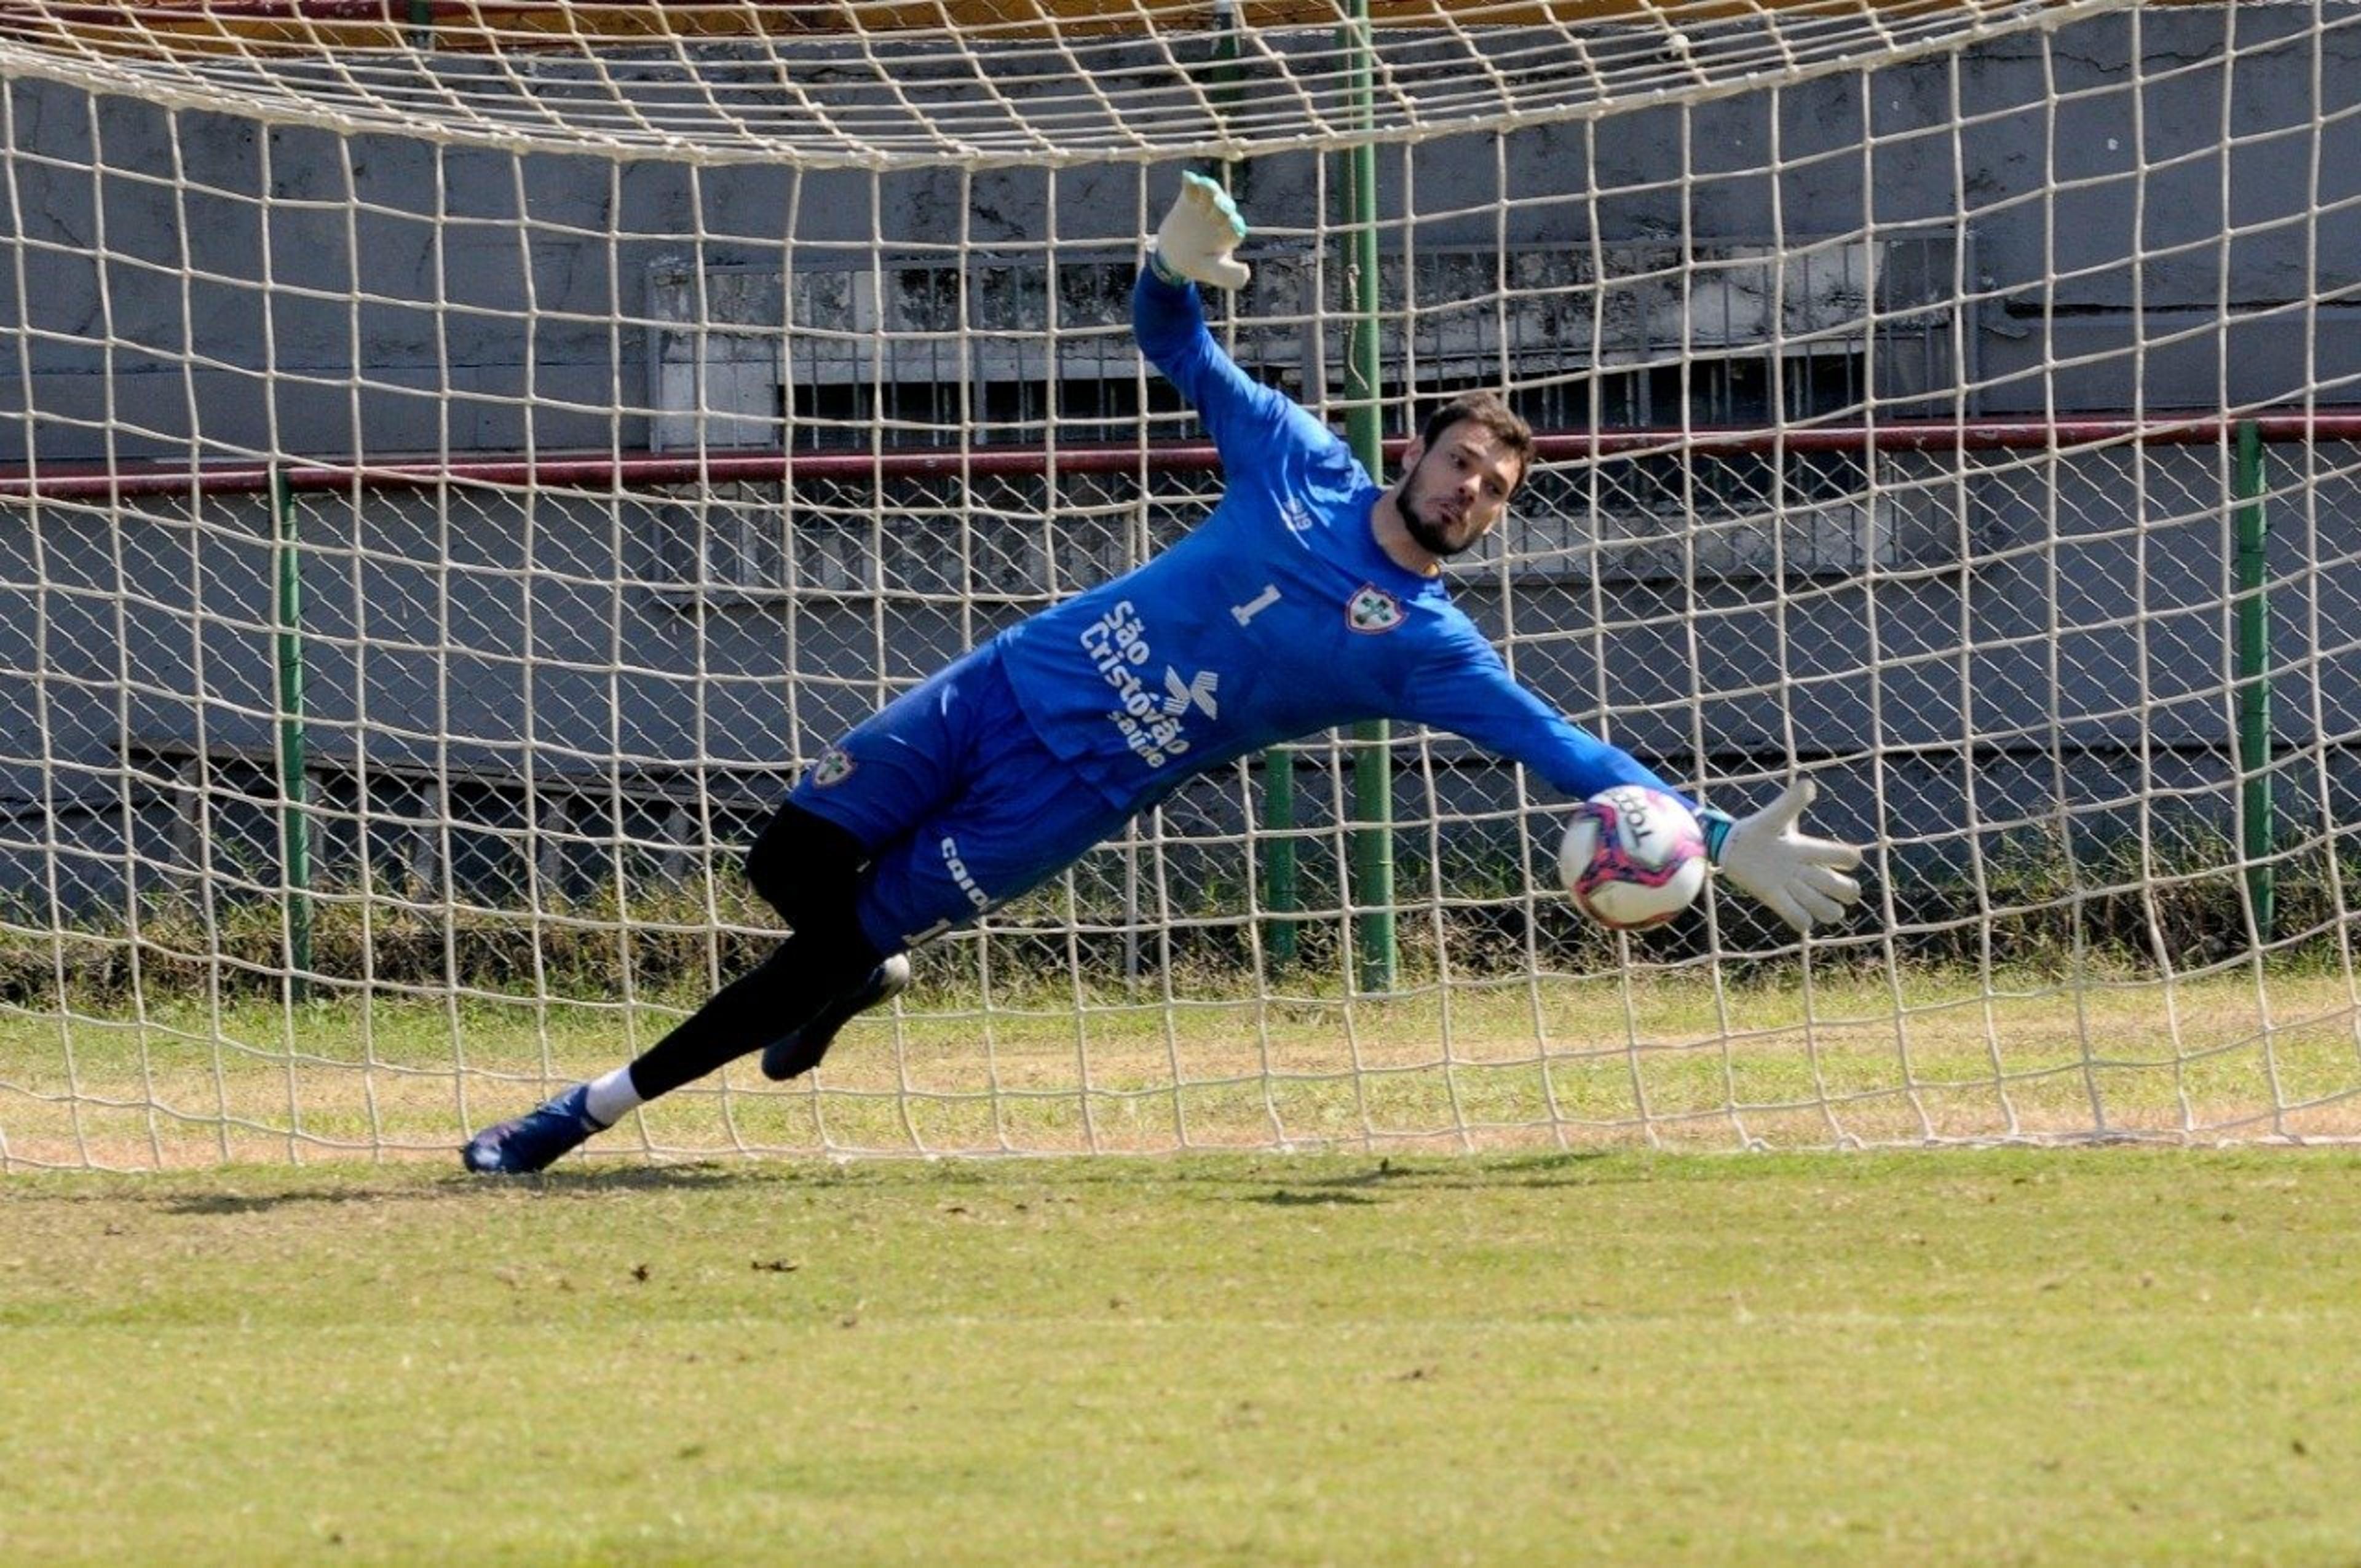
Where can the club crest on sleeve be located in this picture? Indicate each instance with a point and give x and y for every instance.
(833, 769)
(1373, 609)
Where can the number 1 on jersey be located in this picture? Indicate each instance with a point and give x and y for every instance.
(1242, 613)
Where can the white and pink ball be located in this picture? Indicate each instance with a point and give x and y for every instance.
(1632, 857)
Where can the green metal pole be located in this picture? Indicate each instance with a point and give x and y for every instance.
(2253, 657)
(1373, 783)
(294, 826)
(1229, 93)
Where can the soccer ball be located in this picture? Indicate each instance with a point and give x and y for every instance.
(1632, 857)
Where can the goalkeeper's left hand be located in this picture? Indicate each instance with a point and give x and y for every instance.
(1801, 880)
(1197, 236)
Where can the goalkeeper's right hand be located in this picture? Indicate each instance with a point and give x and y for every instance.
(1802, 879)
(1197, 236)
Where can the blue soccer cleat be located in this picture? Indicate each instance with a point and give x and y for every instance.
(529, 1141)
(799, 1050)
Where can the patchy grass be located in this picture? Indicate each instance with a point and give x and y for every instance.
(1934, 1357)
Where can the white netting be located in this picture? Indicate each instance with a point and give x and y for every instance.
(460, 461)
(876, 84)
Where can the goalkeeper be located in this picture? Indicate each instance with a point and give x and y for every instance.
(1310, 598)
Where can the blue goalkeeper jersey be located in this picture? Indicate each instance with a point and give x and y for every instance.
(1277, 616)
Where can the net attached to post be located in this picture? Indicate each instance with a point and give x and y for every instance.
(460, 461)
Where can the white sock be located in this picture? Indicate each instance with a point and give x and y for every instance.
(613, 1097)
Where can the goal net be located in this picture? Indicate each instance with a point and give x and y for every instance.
(459, 461)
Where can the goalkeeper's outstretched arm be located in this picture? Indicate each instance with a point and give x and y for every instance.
(1803, 880)
(1193, 246)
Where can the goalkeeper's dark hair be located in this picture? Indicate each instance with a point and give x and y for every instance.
(1486, 409)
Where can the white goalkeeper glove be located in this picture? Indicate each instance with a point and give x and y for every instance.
(1801, 880)
(1197, 236)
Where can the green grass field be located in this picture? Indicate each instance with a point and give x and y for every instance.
(1930, 1357)
(298, 1334)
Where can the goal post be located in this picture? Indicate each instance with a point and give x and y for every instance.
(456, 467)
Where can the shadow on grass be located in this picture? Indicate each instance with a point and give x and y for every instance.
(1287, 1198)
(1567, 1169)
(1460, 1172)
(459, 1187)
(1305, 1180)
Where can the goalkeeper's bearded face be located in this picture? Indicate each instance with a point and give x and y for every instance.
(1453, 493)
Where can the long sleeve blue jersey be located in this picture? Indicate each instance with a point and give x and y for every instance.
(1277, 616)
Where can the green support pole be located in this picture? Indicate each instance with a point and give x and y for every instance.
(294, 826)
(1229, 95)
(1373, 781)
(2253, 655)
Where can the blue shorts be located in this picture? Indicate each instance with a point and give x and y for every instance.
(957, 802)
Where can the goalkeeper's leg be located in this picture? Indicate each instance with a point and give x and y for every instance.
(810, 869)
(940, 807)
(1020, 820)
(887, 776)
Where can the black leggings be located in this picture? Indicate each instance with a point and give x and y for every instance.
(808, 868)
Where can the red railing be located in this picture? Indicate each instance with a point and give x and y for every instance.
(630, 471)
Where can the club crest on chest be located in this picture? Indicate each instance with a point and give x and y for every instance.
(1372, 609)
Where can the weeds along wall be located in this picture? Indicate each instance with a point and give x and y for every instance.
(454, 477)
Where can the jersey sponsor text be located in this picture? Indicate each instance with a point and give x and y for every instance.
(1115, 643)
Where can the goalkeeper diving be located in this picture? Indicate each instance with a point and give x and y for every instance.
(1311, 597)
